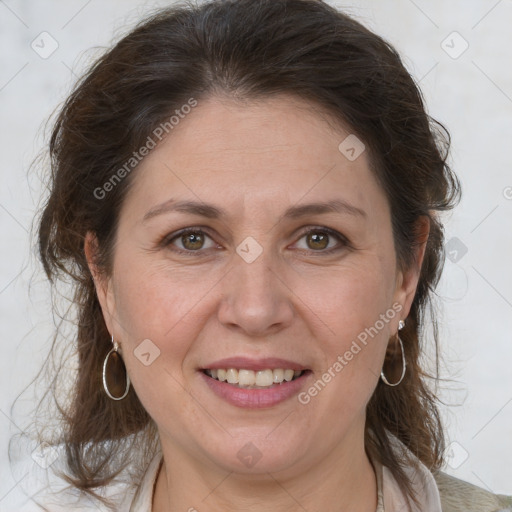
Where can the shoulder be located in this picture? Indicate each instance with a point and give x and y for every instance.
(460, 496)
(454, 495)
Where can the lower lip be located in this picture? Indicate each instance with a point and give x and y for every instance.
(256, 398)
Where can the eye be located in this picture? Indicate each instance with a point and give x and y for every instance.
(189, 240)
(195, 240)
(323, 240)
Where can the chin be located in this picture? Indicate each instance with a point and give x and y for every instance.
(251, 453)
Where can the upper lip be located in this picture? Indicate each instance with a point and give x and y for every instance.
(246, 363)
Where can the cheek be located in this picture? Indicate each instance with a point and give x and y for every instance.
(158, 312)
(354, 309)
(349, 298)
(153, 299)
(158, 322)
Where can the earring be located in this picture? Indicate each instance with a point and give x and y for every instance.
(114, 372)
(401, 325)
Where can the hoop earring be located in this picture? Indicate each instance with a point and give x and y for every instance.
(404, 362)
(113, 370)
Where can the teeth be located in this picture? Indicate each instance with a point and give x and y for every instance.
(264, 378)
(278, 375)
(246, 378)
(251, 379)
(232, 375)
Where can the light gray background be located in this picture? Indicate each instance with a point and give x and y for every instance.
(471, 94)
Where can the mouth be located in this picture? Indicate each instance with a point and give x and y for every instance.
(251, 379)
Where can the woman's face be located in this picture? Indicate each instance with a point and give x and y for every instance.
(251, 285)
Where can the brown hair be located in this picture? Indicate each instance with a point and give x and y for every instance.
(244, 49)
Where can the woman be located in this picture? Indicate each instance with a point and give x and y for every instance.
(246, 196)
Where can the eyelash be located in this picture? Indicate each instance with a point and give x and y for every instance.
(168, 240)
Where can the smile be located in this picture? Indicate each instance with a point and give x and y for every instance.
(255, 389)
(250, 379)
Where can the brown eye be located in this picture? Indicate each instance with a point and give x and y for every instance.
(189, 241)
(192, 241)
(317, 240)
(322, 240)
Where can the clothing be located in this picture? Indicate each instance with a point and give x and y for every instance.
(437, 492)
(458, 495)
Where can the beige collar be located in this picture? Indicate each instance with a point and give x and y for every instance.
(390, 497)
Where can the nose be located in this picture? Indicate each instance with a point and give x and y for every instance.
(255, 297)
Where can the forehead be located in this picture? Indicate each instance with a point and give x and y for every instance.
(278, 149)
(280, 126)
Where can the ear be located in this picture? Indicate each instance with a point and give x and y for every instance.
(407, 280)
(102, 283)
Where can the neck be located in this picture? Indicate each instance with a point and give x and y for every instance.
(343, 481)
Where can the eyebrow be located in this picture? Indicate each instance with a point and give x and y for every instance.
(214, 212)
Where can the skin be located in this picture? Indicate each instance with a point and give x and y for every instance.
(295, 301)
